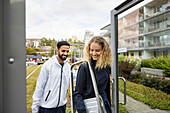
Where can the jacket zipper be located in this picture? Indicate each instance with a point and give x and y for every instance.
(47, 95)
(60, 87)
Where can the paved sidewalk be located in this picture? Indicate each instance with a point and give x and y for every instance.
(134, 106)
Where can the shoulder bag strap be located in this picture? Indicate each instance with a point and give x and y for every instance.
(98, 97)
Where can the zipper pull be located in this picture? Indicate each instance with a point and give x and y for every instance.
(61, 69)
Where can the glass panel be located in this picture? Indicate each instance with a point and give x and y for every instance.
(164, 6)
(159, 9)
(165, 39)
(160, 38)
(165, 52)
(140, 54)
(159, 53)
(155, 54)
(154, 10)
(155, 40)
(165, 23)
(150, 38)
(155, 25)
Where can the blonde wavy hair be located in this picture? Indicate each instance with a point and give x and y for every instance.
(105, 58)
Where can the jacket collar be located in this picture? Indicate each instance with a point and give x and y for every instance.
(56, 60)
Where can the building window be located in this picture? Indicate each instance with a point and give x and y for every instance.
(132, 55)
(165, 53)
(165, 23)
(155, 10)
(155, 54)
(140, 54)
(164, 6)
(154, 25)
(159, 53)
(160, 40)
(141, 42)
(160, 8)
(141, 17)
(154, 40)
(159, 24)
(165, 39)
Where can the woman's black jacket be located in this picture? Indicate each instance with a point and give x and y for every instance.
(84, 87)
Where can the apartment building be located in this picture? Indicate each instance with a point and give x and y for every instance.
(87, 36)
(33, 42)
(145, 31)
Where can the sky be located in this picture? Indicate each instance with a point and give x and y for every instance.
(62, 19)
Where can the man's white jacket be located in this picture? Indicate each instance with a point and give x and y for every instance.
(52, 85)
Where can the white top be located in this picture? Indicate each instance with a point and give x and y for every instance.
(48, 85)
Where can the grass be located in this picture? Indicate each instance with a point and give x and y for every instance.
(154, 98)
(122, 109)
(31, 83)
(30, 69)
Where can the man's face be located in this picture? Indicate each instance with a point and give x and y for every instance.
(63, 52)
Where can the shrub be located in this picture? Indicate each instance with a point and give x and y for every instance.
(125, 68)
(136, 77)
(138, 65)
(166, 66)
(157, 63)
(121, 58)
(164, 85)
(150, 96)
(146, 63)
(152, 82)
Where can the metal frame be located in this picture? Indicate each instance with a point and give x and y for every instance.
(71, 85)
(12, 57)
(1, 72)
(114, 45)
(124, 80)
(12, 33)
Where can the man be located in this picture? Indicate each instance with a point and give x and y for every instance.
(52, 83)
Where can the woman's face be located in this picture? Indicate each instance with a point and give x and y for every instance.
(95, 50)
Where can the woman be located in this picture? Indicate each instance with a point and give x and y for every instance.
(98, 53)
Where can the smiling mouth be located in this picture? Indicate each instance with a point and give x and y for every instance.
(95, 56)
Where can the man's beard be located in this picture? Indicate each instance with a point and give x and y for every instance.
(61, 57)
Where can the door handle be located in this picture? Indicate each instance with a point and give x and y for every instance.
(123, 103)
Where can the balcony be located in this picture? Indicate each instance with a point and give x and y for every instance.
(106, 33)
(149, 45)
(145, 45)
(150, 14)
(158, 45)
(152, 29)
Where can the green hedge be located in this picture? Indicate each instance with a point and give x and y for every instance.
(158, 63)
(153, 82)
(146, 63)
(154, 98)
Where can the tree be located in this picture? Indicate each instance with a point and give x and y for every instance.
(31, 51)
(53, 47)
(69, 40)
(42, 54)
(45, 42)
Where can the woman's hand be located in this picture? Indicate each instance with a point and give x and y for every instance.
(111, 78)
